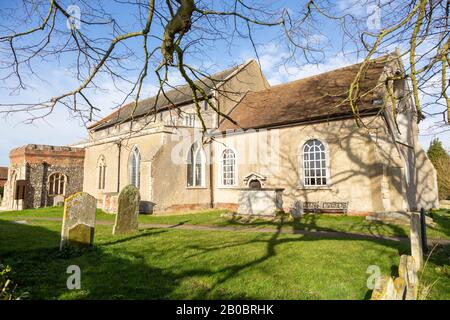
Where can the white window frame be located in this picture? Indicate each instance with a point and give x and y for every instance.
(221, 171)
(198, 152)
(303, 177)
(135, 159)
(189, 120)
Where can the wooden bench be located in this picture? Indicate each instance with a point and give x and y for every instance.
(325, 206)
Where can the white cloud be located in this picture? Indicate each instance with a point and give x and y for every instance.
(273, 58)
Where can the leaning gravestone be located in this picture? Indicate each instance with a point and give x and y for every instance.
(128, 210)
(78, 221)
(384, 289)
(416, 241)
(407, 271)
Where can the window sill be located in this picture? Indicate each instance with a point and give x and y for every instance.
(314, 188)
(228, 187)
(196, 188)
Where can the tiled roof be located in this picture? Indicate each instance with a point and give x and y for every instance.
(178, 96)
(316, 98)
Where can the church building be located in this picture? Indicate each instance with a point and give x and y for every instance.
(298, 140)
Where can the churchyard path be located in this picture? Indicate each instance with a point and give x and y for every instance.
(283, 230)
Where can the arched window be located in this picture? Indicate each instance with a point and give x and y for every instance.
(228, 168)
(314, 164)
(195, 166)
(57, 184)
(101, 176)
(134, 167)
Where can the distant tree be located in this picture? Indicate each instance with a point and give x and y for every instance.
(443, 167)
(441, 161)
(436, 150)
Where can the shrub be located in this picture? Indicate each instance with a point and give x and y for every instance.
(5, 283)
(7, 287)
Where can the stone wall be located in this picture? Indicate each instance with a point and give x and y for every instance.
(33, 164)
(38, 174)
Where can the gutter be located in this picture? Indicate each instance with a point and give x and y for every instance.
(293, 123)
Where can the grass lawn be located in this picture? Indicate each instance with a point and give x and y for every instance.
(319, 222)
(191, 264)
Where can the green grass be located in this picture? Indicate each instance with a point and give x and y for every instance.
(188, 264)
(48, 212)
(319, 222)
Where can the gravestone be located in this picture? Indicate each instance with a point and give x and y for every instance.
(416, 241)
(58, 201)
(399, 288)
(78, 220)
(128, 211)
(404, 287)
(297, 210)
(384, 289)
(406, 271)
(81, 235)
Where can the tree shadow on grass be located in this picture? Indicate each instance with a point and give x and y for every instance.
(379, 228)
(132, 236)
(40, 269)
(117, 273)
(311, 222)
(271, 250)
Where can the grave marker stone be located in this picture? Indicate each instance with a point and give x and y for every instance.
(128, 210)
(416, 240)
(78, 220)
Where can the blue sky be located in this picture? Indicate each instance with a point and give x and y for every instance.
(61, 128)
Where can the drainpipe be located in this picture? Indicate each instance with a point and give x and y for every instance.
(119, 147)
(211, 175)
